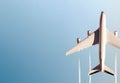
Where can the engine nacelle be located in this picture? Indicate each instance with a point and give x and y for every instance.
(89, 32)
(115, 33)
(78, 40)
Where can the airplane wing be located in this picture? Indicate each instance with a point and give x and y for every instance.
(89, 41)
(111, 39)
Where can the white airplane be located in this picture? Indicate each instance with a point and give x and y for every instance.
(102, 37)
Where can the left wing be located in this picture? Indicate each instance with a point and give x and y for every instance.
(111, 39)
(89, 41)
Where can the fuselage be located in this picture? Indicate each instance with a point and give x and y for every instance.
(101, 37)
(102, 40)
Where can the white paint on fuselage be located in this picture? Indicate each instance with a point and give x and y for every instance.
(102, 41)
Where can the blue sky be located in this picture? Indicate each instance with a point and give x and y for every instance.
(35, 35)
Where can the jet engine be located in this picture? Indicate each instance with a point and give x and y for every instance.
(78, 40)
(89, 32)
(115, 33)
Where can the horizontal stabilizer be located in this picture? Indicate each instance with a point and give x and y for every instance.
(98, 69)
(109, 71)
(94, 70)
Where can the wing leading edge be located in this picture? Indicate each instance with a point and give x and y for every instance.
(89, 41)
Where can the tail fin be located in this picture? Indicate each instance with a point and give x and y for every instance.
(108, 70)
(98, 69)
(94, 70)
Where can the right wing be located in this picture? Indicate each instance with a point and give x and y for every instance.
(89, 41)
(111, 39)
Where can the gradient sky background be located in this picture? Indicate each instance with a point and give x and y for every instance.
(35, 35)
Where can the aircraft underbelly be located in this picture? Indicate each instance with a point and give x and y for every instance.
(102, 47)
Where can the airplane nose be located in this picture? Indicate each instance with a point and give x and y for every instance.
(103, 19)
(102, 12)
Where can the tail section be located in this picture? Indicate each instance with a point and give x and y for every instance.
(98, 69)
(109, 71)
(94, 70)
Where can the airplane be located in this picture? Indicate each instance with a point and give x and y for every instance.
(101, 37)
